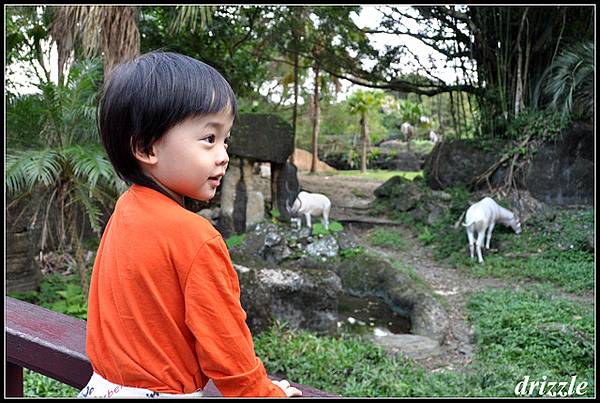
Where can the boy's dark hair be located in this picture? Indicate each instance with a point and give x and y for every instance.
(149, 95)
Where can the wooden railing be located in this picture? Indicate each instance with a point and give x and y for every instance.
(53, 344)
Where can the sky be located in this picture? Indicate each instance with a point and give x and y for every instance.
(369, 17)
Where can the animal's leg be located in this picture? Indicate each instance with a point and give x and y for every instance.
(308, 223)
(489, 234)
(326, 218)
(480, 239)
(471, 242)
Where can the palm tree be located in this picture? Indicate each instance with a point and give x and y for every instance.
(68, 170)
(107, 31)
(568, 83)
(361, 102)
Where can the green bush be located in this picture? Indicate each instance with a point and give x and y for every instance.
(319, 229)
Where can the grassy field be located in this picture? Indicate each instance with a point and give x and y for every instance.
(518, 334)
(377, 174)
(554, 248)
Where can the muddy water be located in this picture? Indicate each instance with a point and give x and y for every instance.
(369, 314)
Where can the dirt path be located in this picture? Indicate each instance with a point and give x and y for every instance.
(351, 198)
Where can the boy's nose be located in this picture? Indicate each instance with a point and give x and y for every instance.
(223, 157)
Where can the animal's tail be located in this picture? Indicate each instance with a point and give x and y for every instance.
(468, 224)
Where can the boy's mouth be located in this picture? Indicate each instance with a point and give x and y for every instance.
(215, 180)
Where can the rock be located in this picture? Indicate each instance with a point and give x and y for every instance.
(562, 172)
(303, 161)
(457, 163)
(262, 137)
(255, 208)
(410, 345)
(347, 240)
(325, 247)
(305, 299)
(288, 187)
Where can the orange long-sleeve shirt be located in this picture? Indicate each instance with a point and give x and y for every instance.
(164, 308)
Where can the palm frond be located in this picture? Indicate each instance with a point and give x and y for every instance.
(568, 83)
(187, 18)
(90, 164)
(27, 169)
(81, 196)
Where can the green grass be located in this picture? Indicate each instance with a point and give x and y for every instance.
(392, 238)
(553, 249)
(518, 334)
(377, 174)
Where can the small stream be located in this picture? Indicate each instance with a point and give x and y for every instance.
(369, 314)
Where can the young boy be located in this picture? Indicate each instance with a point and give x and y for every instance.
(164, 313)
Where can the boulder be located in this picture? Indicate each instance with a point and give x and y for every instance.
(562, 172)
(303, 161)
(262, 137)
(456, 163)
(304, 299)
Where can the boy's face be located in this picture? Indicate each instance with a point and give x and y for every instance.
(191, 158)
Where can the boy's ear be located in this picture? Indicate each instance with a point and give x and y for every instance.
(145, 157)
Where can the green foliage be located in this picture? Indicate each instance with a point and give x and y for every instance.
(387, 237)
(542, 125)
(64, 163)
(350, 253)
(275, 215)
(59, 293)
(235, 240)
(334, 226)
(567, 85)
(38, 385)
(72, 303)
(426, 236)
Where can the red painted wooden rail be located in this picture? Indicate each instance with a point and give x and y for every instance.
(53, 344)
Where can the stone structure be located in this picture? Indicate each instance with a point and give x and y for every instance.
(256, 138)
(561, 171)
(372, 276)
(22, 271)
(304, 299)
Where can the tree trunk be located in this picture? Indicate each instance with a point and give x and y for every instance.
(315, 123)
(520, 77)
(295, 110)
(453, 115)
(365, 137)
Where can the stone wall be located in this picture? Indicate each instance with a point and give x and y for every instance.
(560, 172)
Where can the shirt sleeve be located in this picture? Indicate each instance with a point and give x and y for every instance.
(214, 315)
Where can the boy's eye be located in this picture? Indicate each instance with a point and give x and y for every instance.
(211, 139)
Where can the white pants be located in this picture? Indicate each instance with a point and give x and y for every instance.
(103, 388)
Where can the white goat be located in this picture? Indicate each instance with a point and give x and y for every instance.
(482, 217)
(433, 137)
(407, 129)
(312, 204)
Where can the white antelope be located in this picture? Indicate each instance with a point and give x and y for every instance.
(311, 204)
(481, 217)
